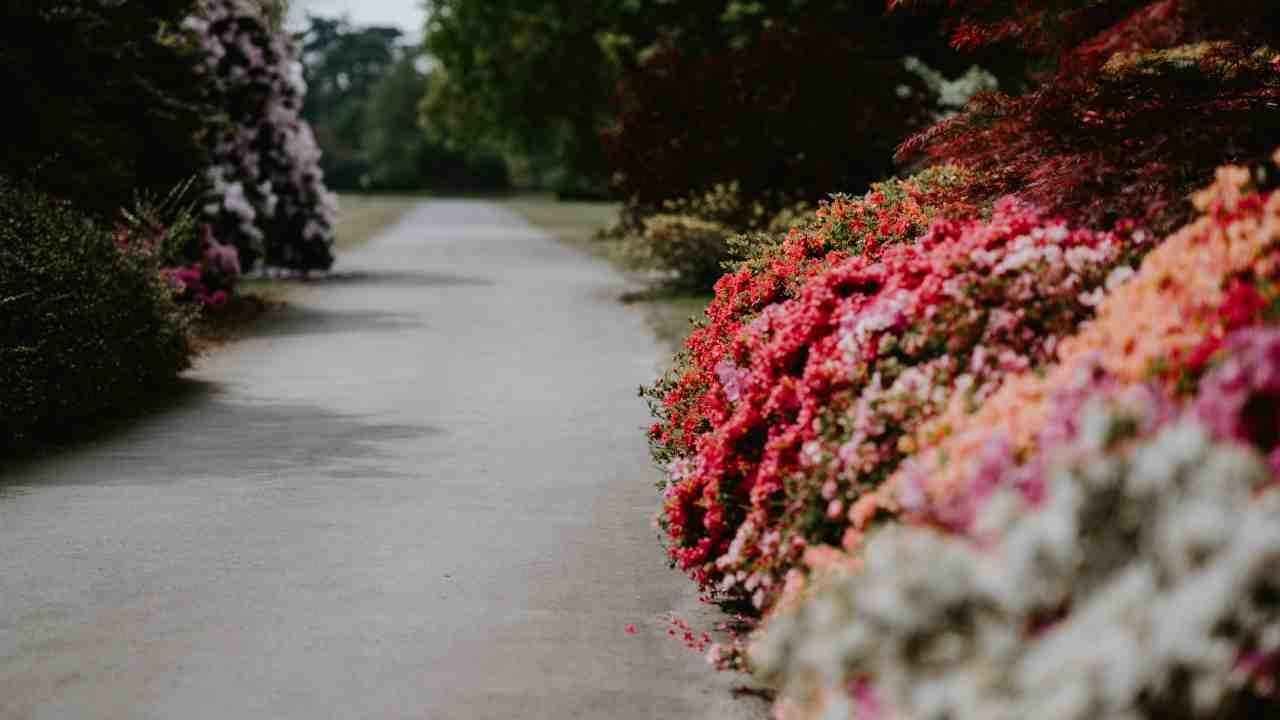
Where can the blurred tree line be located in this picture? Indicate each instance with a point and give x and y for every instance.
(653, 98)
(365, 85)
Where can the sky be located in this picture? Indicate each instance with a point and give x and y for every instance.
(407, 15)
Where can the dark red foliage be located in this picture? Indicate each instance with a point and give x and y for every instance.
(1084, 27)
(1136, 105)
(796, 114)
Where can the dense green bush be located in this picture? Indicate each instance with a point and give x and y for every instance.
(87, 318)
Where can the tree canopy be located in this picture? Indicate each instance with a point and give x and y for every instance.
(542, 77)
(104, 98)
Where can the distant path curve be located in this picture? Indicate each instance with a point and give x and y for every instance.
(420, 491)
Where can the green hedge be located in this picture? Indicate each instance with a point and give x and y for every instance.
(85, 325)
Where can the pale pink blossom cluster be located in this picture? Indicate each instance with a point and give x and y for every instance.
(267, 193)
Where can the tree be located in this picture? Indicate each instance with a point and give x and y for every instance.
(104, 98)
(539, 77)
(401, 156)
(524, 76)
(342, 65)
(266, 189)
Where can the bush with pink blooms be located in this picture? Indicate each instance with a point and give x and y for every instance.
(266, 191)
(1128, 569)
(815, 397)
(1109, 513)
(201, 269)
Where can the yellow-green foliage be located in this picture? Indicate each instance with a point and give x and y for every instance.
(692, 238)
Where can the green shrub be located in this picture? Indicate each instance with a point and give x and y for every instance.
(688, 247)
(87, 319)
(690, 239)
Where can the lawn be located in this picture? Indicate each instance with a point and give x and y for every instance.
(578, 224)
(574, 223)
(361, 217)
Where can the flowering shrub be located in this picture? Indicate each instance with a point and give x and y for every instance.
(1050, 486)
(202, 270)
(1143, 584)
(684, 400)
(210, 280)
(813, 399)
(1208, 279)
(690, 248)
(267, 193)
(86, 323)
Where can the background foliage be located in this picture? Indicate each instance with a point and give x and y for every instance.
(365, 86)
(103, 98)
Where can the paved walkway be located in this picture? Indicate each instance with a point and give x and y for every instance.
(419, 492)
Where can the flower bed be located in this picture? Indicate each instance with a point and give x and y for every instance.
(266, 190)
(1100, 538)
(809, 403)
(1200, 284)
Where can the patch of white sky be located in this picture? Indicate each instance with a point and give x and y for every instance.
(408, 15)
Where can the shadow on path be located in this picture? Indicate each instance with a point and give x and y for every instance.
(192, 429)
(399, 278)
(299, 320)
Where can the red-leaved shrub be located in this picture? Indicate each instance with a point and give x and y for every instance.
(1138, 103)
(796, 114)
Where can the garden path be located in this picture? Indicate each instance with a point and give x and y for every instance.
(420, 491)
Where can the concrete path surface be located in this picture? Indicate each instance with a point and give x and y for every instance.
(419, 492)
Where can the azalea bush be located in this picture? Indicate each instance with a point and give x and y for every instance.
(771, 271)
(202, 269)
(1044, 362)
(1208, 279)
(266, 191)
(815, 396)
(1137, 578)
(211, 279)
(1100, 497)
(88, 320)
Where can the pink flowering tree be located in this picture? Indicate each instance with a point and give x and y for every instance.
(266, 190)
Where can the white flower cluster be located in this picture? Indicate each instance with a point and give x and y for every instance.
(1146, 584)
(954, 93)
(267, 192)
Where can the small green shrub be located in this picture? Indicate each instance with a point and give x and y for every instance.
(690, 239)
(87, 319)
(690, 248)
